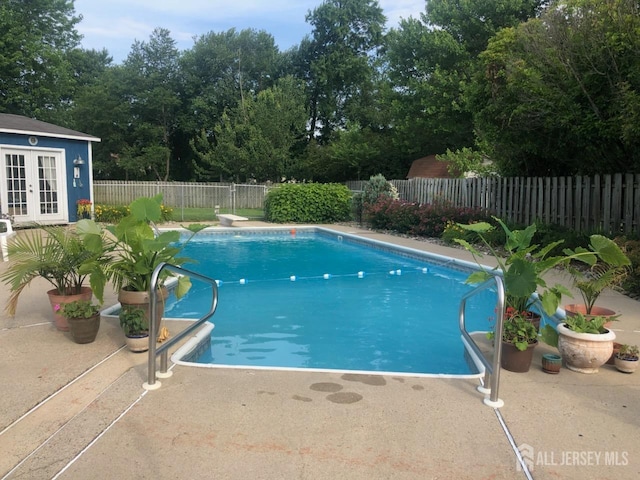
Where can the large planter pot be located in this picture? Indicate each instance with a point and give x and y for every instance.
(596, 311)
(57, 300)
(626, 366)
(84, 330)
(515, 360)
(141, 300)
(137, 343)
(584, 352)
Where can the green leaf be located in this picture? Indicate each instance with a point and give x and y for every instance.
(609, 251)
(183, 286)
(549, 335)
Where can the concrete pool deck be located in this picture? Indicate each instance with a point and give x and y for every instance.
(79, 411)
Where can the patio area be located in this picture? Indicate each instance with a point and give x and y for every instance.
(74, 411)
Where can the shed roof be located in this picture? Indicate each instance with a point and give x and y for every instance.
(429, 167)
(10, 123)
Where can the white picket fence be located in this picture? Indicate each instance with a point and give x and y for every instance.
(227, 196)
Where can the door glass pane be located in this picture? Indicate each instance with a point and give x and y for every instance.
(48, 184)
(16, 184)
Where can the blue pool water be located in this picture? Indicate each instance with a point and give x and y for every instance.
(314, 300)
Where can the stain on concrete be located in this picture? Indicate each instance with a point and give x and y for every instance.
(326, 387)
(263, 392)
(418, 387)
(398, 379)
(344, 397)
(301, 399)
(375, 380)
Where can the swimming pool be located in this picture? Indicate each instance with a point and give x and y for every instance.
(317, 299)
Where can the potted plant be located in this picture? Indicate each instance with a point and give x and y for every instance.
(135, 326)
(83, 318)
(64, 258)
(592, 281)
(526, 264)
(519, 338)
(139, 248)
(584, 343)
(626, 360)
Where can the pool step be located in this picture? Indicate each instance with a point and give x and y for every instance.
(47, 438)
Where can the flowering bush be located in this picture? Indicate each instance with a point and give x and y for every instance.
(115, 213)
(415, 219)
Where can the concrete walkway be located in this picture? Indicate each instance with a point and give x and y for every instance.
(79, 411)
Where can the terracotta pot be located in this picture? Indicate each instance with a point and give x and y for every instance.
(138, 343)
(56, 300)
(84, 330)
(596, 311)
(551, 363)
(626, 366)
(515, 360)
(584, 352)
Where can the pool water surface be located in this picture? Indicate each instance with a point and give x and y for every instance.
(323, 301)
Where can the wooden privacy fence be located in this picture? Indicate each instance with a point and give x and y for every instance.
(181, 194)
(603, 203)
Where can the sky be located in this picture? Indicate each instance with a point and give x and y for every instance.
(116, 24)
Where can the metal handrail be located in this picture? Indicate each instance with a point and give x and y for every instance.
(492, 369)
(154, 351)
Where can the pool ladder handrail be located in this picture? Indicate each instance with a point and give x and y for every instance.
(162, 350)
(492, 369)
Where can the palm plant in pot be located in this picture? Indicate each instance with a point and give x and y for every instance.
(525, 265)
(591, 282)
(83, 317)
(63, 257)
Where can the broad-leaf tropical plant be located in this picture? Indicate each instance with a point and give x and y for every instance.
(140, 248)
(526, 264)
(60, 255)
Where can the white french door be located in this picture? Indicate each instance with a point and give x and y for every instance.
(34, 187)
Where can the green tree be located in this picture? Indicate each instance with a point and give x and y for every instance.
(346, 33)
(151, 76)
(431, 60)
(35, 40)
(219, 72)
(256, 139)
(560, 95)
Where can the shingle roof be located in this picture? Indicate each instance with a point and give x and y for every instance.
(429, 167)
(10, 123)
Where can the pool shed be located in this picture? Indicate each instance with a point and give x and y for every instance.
(46, 170)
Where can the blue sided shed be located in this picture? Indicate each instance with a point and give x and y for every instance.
(45, 170)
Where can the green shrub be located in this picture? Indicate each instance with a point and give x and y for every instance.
(308, 203)
(378, 187)
(631, 248)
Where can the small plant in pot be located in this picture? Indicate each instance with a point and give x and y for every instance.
(84, 320)
(627, 358)
(584, 343)
(135, 326)
(519, 338)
